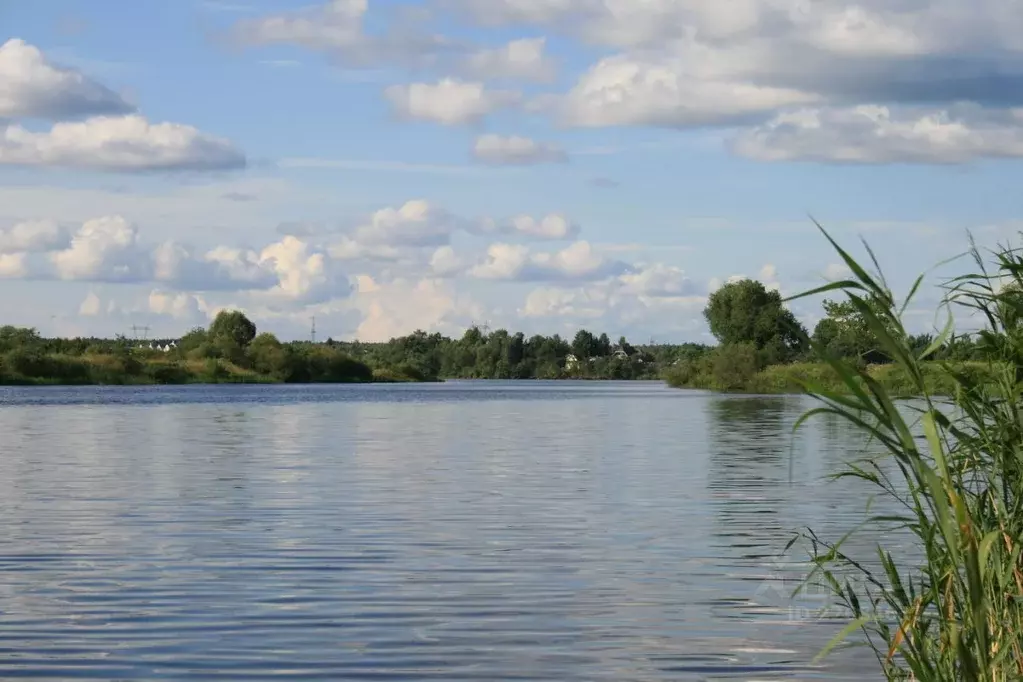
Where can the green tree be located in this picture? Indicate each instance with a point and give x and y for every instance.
(846, 333)
(746, 312)
(267, 355)
(230, 334)
(234, 326)
(12, 338)
(584, 345)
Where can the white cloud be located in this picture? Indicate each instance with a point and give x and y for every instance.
(552, 226)
(338, 27)
(13, 265)
(34, 236)
(623, 90)
(515, 150)
(657, 299)
(657, 280)
(177, 305)
(576, 262)
(875, 134)
(818, 69)
(416, 223)
(32, 87)
(585, 304)
(103, 249)
(399, 307)
(124, 143)
(523, 59)
(837, 271)
(769, 277)
(91, 305)
(303, 272)
(445, 262)
(500, 12)
(348, 249)
(448, 102)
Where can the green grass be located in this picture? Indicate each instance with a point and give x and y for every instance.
(792, 378)
(953, 465)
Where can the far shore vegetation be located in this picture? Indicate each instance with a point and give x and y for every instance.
(763, 349)
(231, 351)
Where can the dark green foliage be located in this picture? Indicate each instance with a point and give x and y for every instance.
(746, 312)
(232, 327)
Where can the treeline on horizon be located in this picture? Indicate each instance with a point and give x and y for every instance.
(763, 348)
(232, 350)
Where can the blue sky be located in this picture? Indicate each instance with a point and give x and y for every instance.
(539, 164)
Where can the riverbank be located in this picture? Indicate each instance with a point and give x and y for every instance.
(791, 378)
(56, 369)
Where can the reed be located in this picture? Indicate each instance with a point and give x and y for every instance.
(951, 607)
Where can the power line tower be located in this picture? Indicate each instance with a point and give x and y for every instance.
(312, 332)
(135, 329)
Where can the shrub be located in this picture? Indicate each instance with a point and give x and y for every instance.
(733, 366)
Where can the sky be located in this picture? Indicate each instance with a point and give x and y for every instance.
(384, 166)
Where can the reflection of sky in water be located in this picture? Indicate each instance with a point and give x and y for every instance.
(531, 531)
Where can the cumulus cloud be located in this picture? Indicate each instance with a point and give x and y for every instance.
(91, 305)
(810, 75)
(445, 262)
(581, 304)
(657, 297)
(34, 236)
(523, 59)
(338, 27)
(33, 87)
(449, 101)
(515, 150)
(416, 223)
(395, 308)
(303, 272)
(875, 134)
(837, 271)
(626, 90)
(657, 280)
(123, 143)
(13, 265)
(553, 226)
(109, 249)
(576, 262)
(179, 305)
(103, 249)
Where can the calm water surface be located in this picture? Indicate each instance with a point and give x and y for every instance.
(465, 531)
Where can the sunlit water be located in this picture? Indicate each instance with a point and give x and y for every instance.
(465, 531)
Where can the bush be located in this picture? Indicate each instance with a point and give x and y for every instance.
(733, 366)
(167, 373)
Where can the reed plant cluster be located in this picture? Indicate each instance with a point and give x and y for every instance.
(951, 607)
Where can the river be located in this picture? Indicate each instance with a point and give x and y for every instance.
(463, 531)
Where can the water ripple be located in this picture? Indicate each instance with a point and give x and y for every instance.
(509, 531)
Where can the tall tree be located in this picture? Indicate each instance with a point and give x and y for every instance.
(233, 326)
(746, 312)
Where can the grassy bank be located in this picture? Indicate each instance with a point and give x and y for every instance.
(83, 370)
(792, 378)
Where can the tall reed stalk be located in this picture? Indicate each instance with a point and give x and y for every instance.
(951, 608)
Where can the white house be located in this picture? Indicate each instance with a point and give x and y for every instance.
(571, 361)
